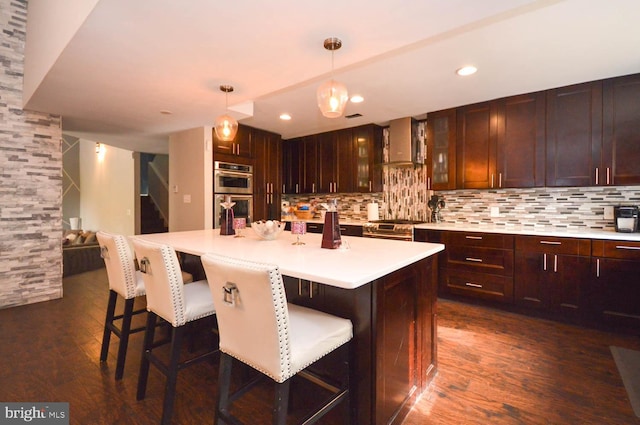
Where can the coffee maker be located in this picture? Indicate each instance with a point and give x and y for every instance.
(626, 219)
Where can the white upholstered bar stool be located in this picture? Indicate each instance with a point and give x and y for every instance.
(125, 281)
(280, 340)
(175, 302)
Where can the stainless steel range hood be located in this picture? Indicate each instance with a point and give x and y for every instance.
(406, 145)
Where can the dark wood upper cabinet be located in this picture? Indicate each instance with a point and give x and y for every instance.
(267, 172)
(476, 146)
(291, 166)
(621, 132)
(327, 166)
(574, 135)
(239, 146)
(520, 124)
(336, 161)
(501, 143)
(367, 157)
(441, 150)
(344, 169)
(309, 164)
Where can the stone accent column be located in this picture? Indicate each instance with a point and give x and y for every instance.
(30, 179)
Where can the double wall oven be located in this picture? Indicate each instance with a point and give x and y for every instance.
(235, 181)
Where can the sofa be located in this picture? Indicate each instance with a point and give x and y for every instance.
(80, 252)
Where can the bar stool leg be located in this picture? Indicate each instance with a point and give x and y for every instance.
(108, 322)
(224, 378)
(125, 331)
(147, 346)
(281, 403)
(172, 374)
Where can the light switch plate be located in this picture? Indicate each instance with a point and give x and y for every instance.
(186, 199)
(608, 212)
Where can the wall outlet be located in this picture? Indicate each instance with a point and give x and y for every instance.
(186, 199)
(608, 213)
(495, 211)
(356, 208)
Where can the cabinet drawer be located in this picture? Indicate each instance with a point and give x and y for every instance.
(554, 245)
(487, 240)
(350, 230)
(484, 260)
(314, 227)
(480, 285)
(627, 250)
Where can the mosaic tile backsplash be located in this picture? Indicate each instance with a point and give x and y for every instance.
(568, 207)
(405, 196)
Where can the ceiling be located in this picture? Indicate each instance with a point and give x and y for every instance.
(128, 61)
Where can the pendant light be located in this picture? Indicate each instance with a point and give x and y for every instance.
(225, 125)
(332, 95)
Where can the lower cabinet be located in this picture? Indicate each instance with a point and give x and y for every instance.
(615, 272)
(552, 275)
(583, 281)
(479, 265)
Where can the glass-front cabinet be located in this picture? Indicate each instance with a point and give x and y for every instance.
(368, 154)
(441, 150)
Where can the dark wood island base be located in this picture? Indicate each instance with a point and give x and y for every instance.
(395, 344)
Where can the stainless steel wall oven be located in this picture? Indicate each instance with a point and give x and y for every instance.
(232, 178)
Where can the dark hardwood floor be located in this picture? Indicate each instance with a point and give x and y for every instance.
(494, 367)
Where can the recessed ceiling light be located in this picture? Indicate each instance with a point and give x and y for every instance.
(285, 117)
(357, 98)
(467, 70)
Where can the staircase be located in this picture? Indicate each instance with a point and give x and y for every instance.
(150, 219)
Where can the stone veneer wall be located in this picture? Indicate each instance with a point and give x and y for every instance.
(30, 179)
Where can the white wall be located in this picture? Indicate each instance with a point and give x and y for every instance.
(191, 180)
(107, 185)
(51, 26)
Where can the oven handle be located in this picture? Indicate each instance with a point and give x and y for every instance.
(235, 196)
(390, 237)
(233, 173)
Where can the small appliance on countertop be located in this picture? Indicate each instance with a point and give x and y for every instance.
(626, 218)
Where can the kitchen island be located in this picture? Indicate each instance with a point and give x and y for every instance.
(386, 288)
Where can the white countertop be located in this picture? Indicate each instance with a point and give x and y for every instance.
(533, 231)
(367, 259)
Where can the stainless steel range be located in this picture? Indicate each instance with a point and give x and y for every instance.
(390, 229)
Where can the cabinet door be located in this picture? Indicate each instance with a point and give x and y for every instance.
(327, 164)
(345, 148)
(368, 157)
(310, 164)
(441, 150)
(397, 356)
(621, 135)
(476, 147)
(240, 146)
(574, 135)
(568, 286)
(552, 282)
(616, 297)
(521, 141)
(291, 165)
(529, 282)
(266, 170)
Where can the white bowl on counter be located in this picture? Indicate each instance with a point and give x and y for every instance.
(268, 229)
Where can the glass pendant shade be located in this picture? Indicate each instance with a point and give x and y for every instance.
(332, 98)
(226, 128)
